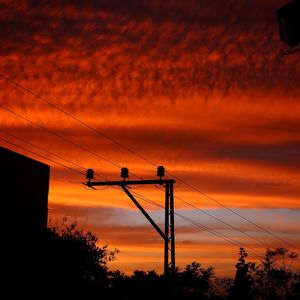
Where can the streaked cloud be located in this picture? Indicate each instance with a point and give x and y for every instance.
(203, 90)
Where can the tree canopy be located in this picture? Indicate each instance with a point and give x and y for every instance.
(67, 263)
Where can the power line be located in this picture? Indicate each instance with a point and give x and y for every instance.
(114, 164)
(220, 235)
(212, 231)
(134, 153)
(59, 136)
(225, 223)
(42, 156)
(222, 221)
(238, 214)
(198, 224)
(40, 148)
(51, 153)
(75, 118)
(179, 198)
(63, 138)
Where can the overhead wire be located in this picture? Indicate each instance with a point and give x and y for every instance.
(40, 155)
(176, 197)
(196, 223)
(238, 214)
(134, 153)
(59, 136)
(40, 148)
(224, 222)
(48, 152)
(74, 118)
(101, 157)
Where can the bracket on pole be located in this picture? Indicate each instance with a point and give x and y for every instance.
(168, 234)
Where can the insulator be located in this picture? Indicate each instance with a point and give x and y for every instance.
(90, 174)
(124, 173)
(161, 171)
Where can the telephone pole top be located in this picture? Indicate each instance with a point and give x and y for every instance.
(168, 234)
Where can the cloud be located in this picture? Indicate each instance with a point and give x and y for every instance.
(237, 168)
(140, 244)
(111, 52)
(203, 90)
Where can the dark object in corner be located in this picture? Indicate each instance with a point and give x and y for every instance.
(289, 23)
(24, 187)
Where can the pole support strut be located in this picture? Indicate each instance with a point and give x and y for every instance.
(169, 229)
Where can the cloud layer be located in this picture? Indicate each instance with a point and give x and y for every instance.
(199, 86)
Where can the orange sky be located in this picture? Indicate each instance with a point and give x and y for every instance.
(200, 87)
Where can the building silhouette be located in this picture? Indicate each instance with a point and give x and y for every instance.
(24, 187)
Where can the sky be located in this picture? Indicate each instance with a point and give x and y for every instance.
(200, 87)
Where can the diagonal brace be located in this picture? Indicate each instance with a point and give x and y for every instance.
(143, 211)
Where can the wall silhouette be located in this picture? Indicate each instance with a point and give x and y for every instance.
(24, 186)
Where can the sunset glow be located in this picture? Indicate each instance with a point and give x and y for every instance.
(204, 91)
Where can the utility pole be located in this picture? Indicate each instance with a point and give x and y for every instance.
(168, 234)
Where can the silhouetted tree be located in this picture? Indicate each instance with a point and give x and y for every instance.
(65, 263)
(221, 288)
(295, 287)
(243, 282)
(196, 280)
(274, 279)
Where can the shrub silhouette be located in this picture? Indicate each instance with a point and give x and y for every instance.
(193, 282)
(67, 263)
(64, 263)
